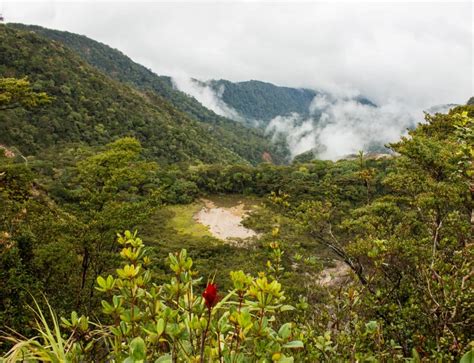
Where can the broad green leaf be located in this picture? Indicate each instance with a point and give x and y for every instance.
(160, 326)
(285, 331)
(468, 357)
(138, 349)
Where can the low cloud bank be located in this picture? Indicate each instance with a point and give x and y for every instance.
(207, 96)
(339, 127)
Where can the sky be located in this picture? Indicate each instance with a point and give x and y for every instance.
(419, 54)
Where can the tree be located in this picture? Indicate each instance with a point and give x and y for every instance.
(109, 191)
(16, 93)
(414, 244)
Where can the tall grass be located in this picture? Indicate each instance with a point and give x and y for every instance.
(48, 346)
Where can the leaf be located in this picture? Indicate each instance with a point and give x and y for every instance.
(371, 326)
(285, 331)
(295, 344)
(138, 349)
(164, 359)
(415, 356)
(160, 326)
(286, 360)
(65, 322)
(468, 357)
(101, 282)
(287, 308)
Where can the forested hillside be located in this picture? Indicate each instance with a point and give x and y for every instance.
(248, 143)
(401, 226)
(89, 107)
(256, 100)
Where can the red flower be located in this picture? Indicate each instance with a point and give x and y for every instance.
(210, 295)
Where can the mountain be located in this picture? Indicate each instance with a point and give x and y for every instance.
(250, 144)
(262, 101)
(90, 107)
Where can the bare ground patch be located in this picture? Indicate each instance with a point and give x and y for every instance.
(225, 223)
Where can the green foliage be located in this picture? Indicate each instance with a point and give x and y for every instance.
(108, 191)
(48, 346)
(93, 109)
(410, 248)
(250, 144)
(257, 100)
(402, 225)
(16, 93)
(170, 322)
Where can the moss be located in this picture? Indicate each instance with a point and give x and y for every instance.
(183, 220)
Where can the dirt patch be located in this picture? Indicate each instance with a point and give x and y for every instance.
(7, 152)
(336, 275)
(224, 223)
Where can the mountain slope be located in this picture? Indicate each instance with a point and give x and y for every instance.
(262, 101)
(89, 107)
(249, 143)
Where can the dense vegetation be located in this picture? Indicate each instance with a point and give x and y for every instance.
(262, 101)
(257, 100)
(402, 225)
(250, 144)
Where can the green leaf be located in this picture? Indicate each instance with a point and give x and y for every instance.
(164, 359)
(371, 326)
(138, 349)
(415, 356)
(285, 331)
(295, 344)
(65, 322)
(101, 281)
(468, 357)
(286, 360)
(287, 308)
(160, 326)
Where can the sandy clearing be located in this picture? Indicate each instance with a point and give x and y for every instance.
(224, 223)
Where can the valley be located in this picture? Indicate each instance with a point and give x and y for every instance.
(137, 224)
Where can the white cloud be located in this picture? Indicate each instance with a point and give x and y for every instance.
(404, 56)
(206, 96)
(341, 126)
(347, 126)
(300, 134)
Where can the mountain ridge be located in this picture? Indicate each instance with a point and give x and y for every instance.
(90, 107)
(247, 142)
